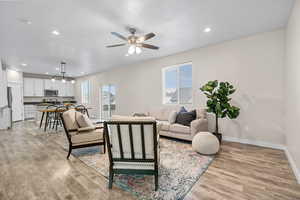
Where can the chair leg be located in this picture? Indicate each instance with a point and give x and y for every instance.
(104, 148)
(156, 181)
(111, 178)
(70, 149)
(56, 125)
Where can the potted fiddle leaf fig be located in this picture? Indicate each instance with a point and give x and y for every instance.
(218, 102)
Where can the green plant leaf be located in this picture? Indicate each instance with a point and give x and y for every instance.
(218, 101)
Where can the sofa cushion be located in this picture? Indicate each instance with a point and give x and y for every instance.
(201, 113)
(185, 118)
(172, 117)
(164, 125)
(163, 113)
(182, 110)
(178, 128)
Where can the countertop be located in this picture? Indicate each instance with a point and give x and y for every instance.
(39, 103)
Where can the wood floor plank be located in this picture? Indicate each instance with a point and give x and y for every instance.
(33, 165)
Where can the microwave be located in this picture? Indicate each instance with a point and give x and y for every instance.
(51, 93)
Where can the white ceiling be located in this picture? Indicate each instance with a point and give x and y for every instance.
(85, 27)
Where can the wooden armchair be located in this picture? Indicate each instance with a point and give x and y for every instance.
(80, 137)
(132, 148)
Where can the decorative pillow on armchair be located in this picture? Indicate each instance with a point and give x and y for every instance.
(185, 118)
(83, 120)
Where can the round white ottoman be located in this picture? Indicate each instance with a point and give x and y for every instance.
(205, 143)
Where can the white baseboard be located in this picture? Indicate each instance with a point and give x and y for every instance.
(269, 145)
(292, 164)
(254, 142)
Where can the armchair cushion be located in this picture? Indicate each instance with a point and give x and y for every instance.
(199, 125)
(87, 137)
(134, 165)
(69, 119)
(86, 129)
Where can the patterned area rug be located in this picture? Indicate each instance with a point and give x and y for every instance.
(180, 167)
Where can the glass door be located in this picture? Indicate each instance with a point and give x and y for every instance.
(108, 101)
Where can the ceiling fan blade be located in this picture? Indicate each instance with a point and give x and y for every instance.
(149, 46)
(146, 37)
(116, 45)
(119, 35)
(149, 36)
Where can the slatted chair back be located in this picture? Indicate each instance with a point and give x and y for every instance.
(131, 141)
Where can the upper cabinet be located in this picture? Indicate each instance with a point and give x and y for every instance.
(61, 87)
(35, 87)
(38, 87)
(69, 89)
(28, 84)
(50, 85)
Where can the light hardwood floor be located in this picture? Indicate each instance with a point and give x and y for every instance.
(35, 167)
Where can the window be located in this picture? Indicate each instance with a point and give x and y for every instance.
(177, 84)
(85, 92)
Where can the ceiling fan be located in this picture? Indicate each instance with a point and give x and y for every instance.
(135, 42)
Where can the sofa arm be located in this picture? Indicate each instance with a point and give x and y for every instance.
(199, 125)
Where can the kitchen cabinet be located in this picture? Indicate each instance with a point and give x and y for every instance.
(28, 87)
(33, 87)
(61, 87)
(50, 85)
(30, 111)
(69, 89)
(39, 87)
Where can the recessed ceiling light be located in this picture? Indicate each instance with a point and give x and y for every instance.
(207, 30)
(56, 68)
(24, 64)
(126, 54)
(55, 32)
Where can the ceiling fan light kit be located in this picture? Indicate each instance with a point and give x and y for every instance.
(135, 42)
(62, 71)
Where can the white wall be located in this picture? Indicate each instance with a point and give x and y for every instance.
(4, 117)
(14, 76)
(253, 64)
(292, 86)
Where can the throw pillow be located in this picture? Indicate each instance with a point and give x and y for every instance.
(172, 117)
(185, 118)
(83, 120)
(182, 110)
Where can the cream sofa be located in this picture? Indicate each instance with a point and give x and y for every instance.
(177, 130)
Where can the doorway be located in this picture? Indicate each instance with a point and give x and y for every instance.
(108, 101)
